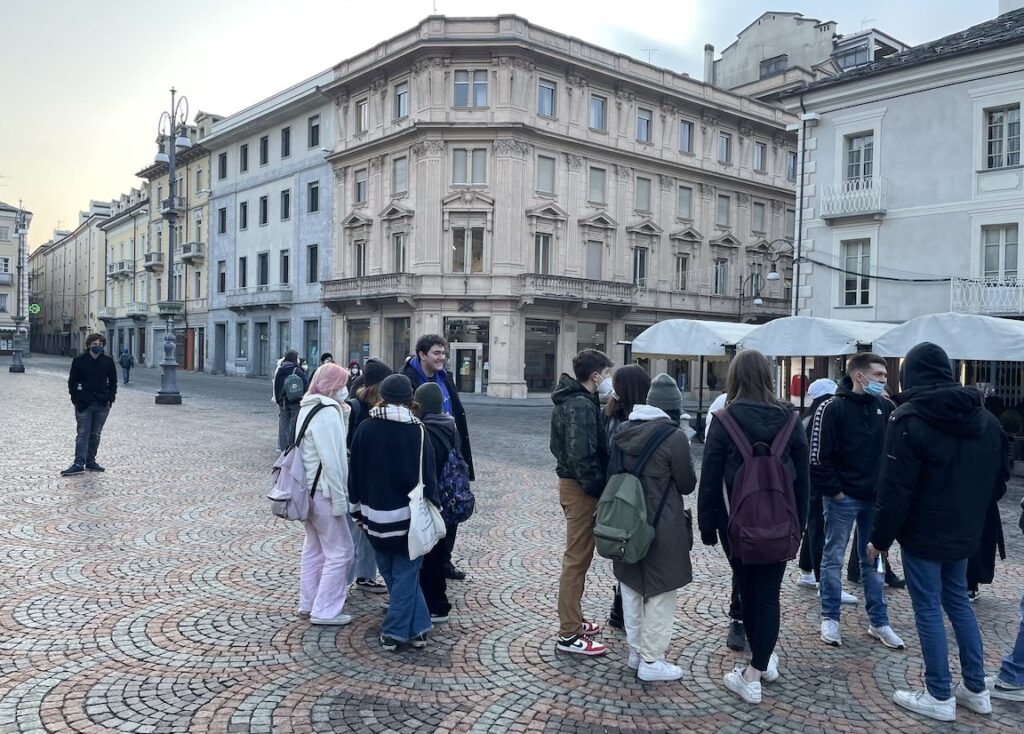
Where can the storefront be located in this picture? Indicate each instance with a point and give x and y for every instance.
(541, 368)
(468, 353)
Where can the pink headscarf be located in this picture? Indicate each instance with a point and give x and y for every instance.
(328, 380)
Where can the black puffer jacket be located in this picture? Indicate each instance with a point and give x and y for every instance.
(578, 440)
(946, 462)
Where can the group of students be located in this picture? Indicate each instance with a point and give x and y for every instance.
(924, 468)
(365, 444)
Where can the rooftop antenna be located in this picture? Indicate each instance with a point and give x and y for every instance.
(650, 54)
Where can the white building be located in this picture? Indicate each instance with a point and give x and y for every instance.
(14, 224)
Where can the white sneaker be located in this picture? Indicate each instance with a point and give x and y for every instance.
(830, 633)
(886, 636)
(735, 682)
(807, 580)
(660, 669)
(341, 619)
(772, 674)
(922, 702)
(998, 688)
(979, 703)
(844, 597)
(633, 661)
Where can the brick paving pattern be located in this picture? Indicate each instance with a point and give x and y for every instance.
(160, 597)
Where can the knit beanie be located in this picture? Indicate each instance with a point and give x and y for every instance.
(396, 389)
(926, 365)
(429, 398)
(374, 372)
(664, 394)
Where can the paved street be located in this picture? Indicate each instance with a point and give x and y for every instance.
(160, 597)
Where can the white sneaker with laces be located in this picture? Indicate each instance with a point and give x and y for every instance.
(633, 661)
(341, 619)
(807, 580)
(886, 636)
(749, 691)
(660, 669)
(772, 674)
(998, 688)
(979, 703)
(844, 597)
(830, 633)
(924, 703)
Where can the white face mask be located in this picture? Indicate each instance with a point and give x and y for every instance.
(605, 386)
(342, 395)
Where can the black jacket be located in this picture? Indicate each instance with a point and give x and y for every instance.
(92, 381)
(286, 369)
(578, 441)
(761, 422)
(458, 412)
(846, 441)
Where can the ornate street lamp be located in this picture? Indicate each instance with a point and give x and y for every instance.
(773, 257)
(17, 365)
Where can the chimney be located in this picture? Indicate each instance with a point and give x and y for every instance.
(709, 60)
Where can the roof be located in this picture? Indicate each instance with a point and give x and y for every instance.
(4, 206)
(1005, 30)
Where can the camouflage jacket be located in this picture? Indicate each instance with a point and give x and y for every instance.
(578, 439)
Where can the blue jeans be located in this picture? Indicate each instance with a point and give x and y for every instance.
(90, 422)
(365, 565)
(1012, 670)
(840, 516)
(936, 586)
(126, 371)
(407, 615)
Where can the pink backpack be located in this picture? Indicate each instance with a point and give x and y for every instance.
(290, 498)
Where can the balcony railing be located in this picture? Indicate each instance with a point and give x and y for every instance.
(172, 205)
(854, 197)
(987, 296)
(108, 313)
(6, 278)
(259, 296)
(137, 310)
(192, 252)
(561, 288)
(153, 261)
(376, 286)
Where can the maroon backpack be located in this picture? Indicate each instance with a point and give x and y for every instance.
(764, 526)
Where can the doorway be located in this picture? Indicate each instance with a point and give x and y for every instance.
(541, 355)
(200, 349)
(220, 344)
(466, 364)
(262, 348)
(400, 342)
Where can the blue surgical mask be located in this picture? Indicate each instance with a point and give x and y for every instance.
(96, 349)
(874, 389)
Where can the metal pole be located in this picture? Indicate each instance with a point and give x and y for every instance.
(168, 393)
(739, 308)
(17, 366)
(803, 379)
(700, 400)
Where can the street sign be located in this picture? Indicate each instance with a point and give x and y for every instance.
(34, 308)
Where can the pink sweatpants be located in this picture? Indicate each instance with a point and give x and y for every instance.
(327, 556)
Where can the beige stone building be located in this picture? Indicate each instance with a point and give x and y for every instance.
(125, 245)
(527, 195)
(13, 234)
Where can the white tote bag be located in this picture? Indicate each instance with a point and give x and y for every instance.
(426, 527)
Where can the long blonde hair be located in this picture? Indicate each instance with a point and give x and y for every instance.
(750, 378)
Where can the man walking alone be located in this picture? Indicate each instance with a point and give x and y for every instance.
(92, 384)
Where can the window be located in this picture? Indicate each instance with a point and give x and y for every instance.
(595, 259)
(286, 142)
(197, 282)
(546, 98)
(859, 156)
(359, 190)
(243, 158)
(286, 205)
(362, 116)
(790, 223)
(242, 278)
(684, 202)
(643, 194)
(284, 272)
(264, 150)
(1003, 137)
(856, 264)
(222, 166)
(685, 136)
(643, 125)
(853, 57)
(760, 157)
(724, 147)
(312, 263)
(400, 175)
(469, 166)
(542, 254)
(595, 188)
(313, 131)
(467, 249)
(774, 65)
(359, 258)
(401, 106)
(311, 340)
(598, 112)
(545, 174)
(757, 217)
(5, 265)
(471, 88)
(243, 215)
(222, 220)
(313, 197)
(263, 268)
(199, 179)
(264, 210)
(682, 270)
(398, 251)
(242, 333)
(4, 308)
(722, 214)
(791, 165)
(1000, 250)
(640, 267)
(721, 284)
(5, 234)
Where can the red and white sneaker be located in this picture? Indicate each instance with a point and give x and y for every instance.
(581, 645)
(592, 628)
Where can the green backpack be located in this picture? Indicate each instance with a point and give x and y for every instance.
(621, 530)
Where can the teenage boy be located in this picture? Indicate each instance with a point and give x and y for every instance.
(92, 385)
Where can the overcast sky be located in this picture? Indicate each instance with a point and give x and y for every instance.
(84, 81)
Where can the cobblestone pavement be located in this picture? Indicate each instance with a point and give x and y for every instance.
(160, 597)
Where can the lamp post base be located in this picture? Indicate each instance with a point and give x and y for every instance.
(170, 399)
(17, 366)
(168, 393)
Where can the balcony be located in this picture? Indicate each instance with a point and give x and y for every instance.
(374, 287)
(172, 206)
(855, 197)
(987, 296)
(6, 278)
(124, 269)
(193, 252)
(137, 310)
(106, 314)
(259, 296)
(153, 261)
(559, 288)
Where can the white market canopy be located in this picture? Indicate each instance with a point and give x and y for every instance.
(810, 336)
(963, 336)
(682, 338)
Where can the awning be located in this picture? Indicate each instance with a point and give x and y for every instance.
(963, 336)
(811, 336)
(682, 338)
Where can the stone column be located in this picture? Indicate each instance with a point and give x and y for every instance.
(426, 243)
(506, 352)
(508, 237)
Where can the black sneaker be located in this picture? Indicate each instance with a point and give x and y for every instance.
(737, 639)
(450, 572)
(389, 643)
(93, 466)
(419, 641)
(72, 470)
(895, 582)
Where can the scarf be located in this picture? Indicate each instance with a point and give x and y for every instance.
(395, 413)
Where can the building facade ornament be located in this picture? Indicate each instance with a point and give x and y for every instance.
(574, 161)
(429, 148)
(623, 172)
(665, 181)
(511, 148)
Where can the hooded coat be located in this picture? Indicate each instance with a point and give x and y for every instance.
(666, 566)
(946, 462)
(414, 372)
(578, 440)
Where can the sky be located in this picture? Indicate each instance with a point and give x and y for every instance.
(84, 81)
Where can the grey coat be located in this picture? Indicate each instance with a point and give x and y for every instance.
(667, 564)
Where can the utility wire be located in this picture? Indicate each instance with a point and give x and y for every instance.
(891, 278)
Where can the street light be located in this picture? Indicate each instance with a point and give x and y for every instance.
(172, 133)
(756, 281)
(17, 366)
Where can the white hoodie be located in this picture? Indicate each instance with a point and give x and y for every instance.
(325, 443)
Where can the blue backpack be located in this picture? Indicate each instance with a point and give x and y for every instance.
(456, 498)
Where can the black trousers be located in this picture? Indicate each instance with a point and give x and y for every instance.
(735, 600)
(759, 588)
(813, 543)
(432, 580)
(449, 539)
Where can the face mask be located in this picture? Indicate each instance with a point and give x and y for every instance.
(605, 386)
(874, 389)
(342, 395)
(97, 349)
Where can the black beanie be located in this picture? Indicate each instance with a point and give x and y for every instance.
(925, 365)
(396, 389)
(374, 372)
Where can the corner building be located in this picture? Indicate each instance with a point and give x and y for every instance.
(528, 195)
